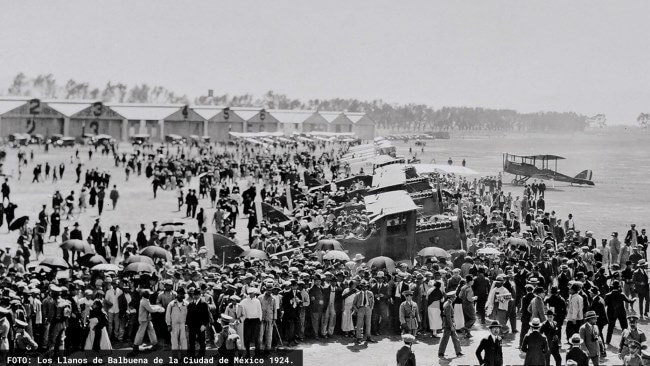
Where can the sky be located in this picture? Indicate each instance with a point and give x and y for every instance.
(586, 56)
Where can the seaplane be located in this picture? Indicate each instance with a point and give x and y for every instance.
(524, 167)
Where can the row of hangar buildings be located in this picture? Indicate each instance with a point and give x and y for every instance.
(20, 115)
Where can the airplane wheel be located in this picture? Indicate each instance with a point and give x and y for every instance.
(515, 182)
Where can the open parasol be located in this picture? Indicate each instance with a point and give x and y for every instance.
(90, 260)
(54, 263)
(77, 245)
(139, 259)
(157, 252)
(328, 244)
(434, 252)
(139, 267)
(18, 223)
(173, 222)
(106, 267)
(382, 263)
(488, 251)
(255, 253)
(336, 255)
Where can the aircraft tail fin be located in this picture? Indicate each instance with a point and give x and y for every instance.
(585, 174)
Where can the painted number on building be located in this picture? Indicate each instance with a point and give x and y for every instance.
(34, 106)
(97, 109)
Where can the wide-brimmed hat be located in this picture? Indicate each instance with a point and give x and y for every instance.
(575, 339)
(358, 257)
(494, 324)
(632, 316)
(407, 293)
(590, 314)
(225, 318)
(642, 264)
(408, 338)
(550, 312)
(535, 323)
(451, 294)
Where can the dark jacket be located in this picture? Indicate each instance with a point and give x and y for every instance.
(536, 348)
(198, 314)
(577, 355)
(493, 352)
(405, 357)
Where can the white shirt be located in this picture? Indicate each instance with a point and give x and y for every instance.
(112, 295)
(251, 308)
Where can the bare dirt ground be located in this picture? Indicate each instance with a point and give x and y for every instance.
(620, 161)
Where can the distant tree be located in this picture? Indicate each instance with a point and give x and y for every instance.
(599, 120)
(643, 119)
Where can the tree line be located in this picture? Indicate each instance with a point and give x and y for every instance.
(400, 117)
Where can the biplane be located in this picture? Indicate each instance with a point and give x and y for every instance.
(524, 167)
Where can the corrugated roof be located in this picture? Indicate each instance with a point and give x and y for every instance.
(69, 108)
(330, 116)
(246, 113)
(8, 105)
(207, 112)
(144, 111)
(354, 117)
(290, 116)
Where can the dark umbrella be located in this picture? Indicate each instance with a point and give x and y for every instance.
(139, 267)
(328, 244)
(18, 223)
(157, 252)
(77, 245)
(173, 223)
(433, 252)
(54, 263)
(90, 260)
(382, 263)
(139, 259)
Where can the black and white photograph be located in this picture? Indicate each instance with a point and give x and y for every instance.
(360, 182)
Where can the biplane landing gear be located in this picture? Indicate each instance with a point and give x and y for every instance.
(519, 181)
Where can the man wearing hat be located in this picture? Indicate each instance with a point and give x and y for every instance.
(576, 354)
(490, 350)
(574, 310)
(363, 303)
(252, 315)
(550, 330)
(448, 327)
(633, 333)
(634, 358)
(535, 344)
(228, 341)
(409, 316)
(640, 278)
(590, 336)
(176, 317)
(23, 341)
(380, 312)
(615, 301)
(405, 356)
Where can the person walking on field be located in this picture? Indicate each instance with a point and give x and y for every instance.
(448, 327)
(100, 200)
(114, 196)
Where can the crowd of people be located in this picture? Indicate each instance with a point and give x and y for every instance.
(522, 270)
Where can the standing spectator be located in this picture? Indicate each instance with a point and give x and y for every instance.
(252, 315)
(114, 196)
(100, 200)
(6, 190)
(198, 321)
(176, 318)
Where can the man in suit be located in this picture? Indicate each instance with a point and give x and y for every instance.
(590, 336)
(363, 303)
(141, 238)
(641, 288)
(317, 305)
(525, 312)
(535, 344)
(575, 353)
(382, 293)
(491, 346)
(550, 330)
(481, 288)
(521, 276)
(198, 320)
(632, 235)
(291, 303)
(590, 241)
(448, 327)
(537, 309)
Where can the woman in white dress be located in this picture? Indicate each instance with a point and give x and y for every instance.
(435, 297)
(97, 339)
(347, 325)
